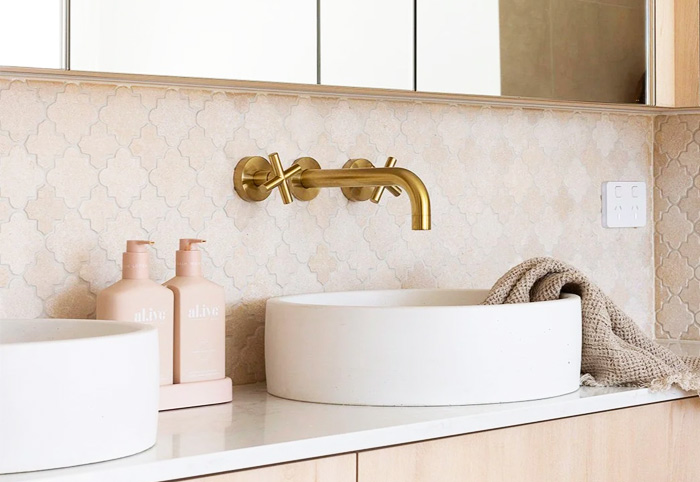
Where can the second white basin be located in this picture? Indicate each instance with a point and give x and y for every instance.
(420, 348)
(75, 392)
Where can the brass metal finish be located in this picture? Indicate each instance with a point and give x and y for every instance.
(378, 191)
(358, 193)
(373, 177)
(249, 176)
(254, 178)
(281, 177)
(300, 192)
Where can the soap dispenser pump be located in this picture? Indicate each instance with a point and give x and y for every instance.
(200, 319)
(138, 298)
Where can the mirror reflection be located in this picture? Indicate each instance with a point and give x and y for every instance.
(573, 49)
(552, 49)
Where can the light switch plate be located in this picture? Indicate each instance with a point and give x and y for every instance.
(624, 204)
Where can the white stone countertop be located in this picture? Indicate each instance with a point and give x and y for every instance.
(257, 429)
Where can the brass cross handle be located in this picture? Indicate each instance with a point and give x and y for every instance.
(281, 178)
(378, 191)
(255, 178)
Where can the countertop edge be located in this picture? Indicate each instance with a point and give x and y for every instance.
(310, 448)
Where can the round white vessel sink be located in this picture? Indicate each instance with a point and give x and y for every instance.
(420, 348)
(74, 392)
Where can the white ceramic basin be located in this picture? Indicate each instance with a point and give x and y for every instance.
(420, 348)
(75, 391)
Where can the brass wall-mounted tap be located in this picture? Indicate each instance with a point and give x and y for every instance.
(254, 179)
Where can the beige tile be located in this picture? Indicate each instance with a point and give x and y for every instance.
(198, 148)
(5, 276)
(173, 117)
(45, 274)
(173, 177)
(673, 136)
(72, 300)
(674, 182)
(73, 113)
(20, 177)
(124, 115)
(677, 206)
(73, 177)
(20, 301)
(221, 116)
(21, 110)
(46, 209)
(124, 178)
(19, 240)
(71, 241)
(46, 144)
(197, 208)
(675, 318)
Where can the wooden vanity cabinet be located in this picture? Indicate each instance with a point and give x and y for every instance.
(340, 468)
(655, 443)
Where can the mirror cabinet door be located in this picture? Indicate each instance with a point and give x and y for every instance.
(367, 43)
(228, 39)
(31, 33)
(458, 47)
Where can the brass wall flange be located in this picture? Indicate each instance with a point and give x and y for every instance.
(298, 191)
(249, 176)
(358, 193)
(365, 193)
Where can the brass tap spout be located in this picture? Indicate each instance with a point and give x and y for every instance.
(374, 177)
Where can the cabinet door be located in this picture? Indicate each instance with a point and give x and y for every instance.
(270, 40)
(329, 469)
(31, 33)
(458, 47)
(655, 443)
(367, 43)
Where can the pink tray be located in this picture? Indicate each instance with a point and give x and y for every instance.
(182, 395)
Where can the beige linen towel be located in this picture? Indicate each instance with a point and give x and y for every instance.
(615, 351)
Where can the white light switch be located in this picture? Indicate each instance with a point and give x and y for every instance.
(624, 204)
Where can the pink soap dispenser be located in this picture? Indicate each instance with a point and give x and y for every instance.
(138, 298)
(200, 319)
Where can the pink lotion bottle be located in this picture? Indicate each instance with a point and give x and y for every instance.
(200, 319)
(138, 298)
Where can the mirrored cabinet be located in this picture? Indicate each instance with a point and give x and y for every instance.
(32, 33)
(474, 67)
(564, 50)
(227, 39)
(367, 43)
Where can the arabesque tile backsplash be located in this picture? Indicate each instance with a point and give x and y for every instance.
(85, 166)
(677, 220)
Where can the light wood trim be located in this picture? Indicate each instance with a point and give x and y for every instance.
(322, 90)
(654, 443)
(650, 45)
(340, 468)
(677, 53)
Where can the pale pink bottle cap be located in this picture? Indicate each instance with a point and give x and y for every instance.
(188, 260)
(135, 260)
